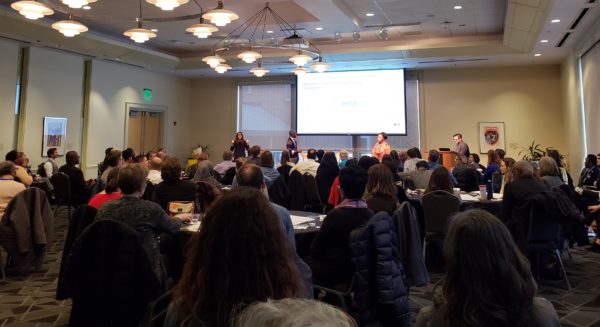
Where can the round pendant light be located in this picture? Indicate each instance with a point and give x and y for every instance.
(299, 71)
(202, 31)
(32, 9)
(320, 66)
(69, 27)
(222, 68)
(213, 61)
(300, 59)
(167, 4)
(249, 56)
(220, 16)
(259, 71)
(139, 35)
(77, 3)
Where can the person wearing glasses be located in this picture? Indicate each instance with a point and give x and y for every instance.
(462, 148)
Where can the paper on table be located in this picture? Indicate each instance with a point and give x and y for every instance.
(497, 196)
(298, 220)
(469, 198)
(191, 227)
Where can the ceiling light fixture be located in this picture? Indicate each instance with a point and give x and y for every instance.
(337, 36)
(269, 32)
(259, 71)
(213, 61)
(555, 21)
(369, 14)
(32, 9)
(537, 55)
(319, 28)
(167, 4)
(154, 30)
(77, 3)
(544, 41)
(69, 27)
(300, 59)
(222, 68)
(299, 71)
(220, 16)
(139, 34)
(249, 56)
(86, 7)
(320, 66)
(383, 34)
(457, 7)
(355, 37)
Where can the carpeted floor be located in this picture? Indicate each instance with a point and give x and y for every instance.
(29, 301)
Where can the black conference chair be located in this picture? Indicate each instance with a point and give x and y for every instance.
(438, 208)
(62, 191)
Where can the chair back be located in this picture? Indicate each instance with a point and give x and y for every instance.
(62, 187)
(438, 207)
(149, 191)
(471, 180)
(542, 228)
(228, 176)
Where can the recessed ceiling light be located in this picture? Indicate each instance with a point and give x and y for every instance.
(319, 28)
(86, 7)
(544, 41)
(154, 30)
(555, 21)
(537, 55)
(457, 7)
(269, 32)
(370, 14)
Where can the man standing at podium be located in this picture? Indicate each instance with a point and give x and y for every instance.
(462, 149)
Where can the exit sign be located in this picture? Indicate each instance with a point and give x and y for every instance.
(148, 94)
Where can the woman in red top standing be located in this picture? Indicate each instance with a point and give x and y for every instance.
(381, 148)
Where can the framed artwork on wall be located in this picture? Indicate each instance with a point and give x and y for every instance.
(55, 135)
(491, 136)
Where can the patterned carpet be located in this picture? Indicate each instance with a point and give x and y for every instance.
(29, 300)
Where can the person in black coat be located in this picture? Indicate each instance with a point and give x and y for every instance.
(591, 172)
(172, 188)
(81, 191)
(515, 208)
(330, 254)
(292, 147)
(239, 145)
(326, 173)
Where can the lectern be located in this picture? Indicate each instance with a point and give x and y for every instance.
(448, 159)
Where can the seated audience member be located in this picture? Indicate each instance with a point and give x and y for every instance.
(493, 166)
(103, 165)
(251, 176)
(21, 161)
(474, 161)
(50, 166)
(320, 154)
(206, 173)
(402, 156)
(111, 191)
(113, 161)
(267, 165)
(202, 158)
(506, 171)
(326, 173)
(420, 176)
(154, 174)
(226, 164)
(238, 257)
(564, 174)
(330, 254)
(172, 188)
(150, 155)
(414, 156)
(501, 153)
(292, 313)
(381, 192)
(81, 190)
(310, 165)
(253, 155)
(335, 196)
(128, 156)
(434, 159)
(343, 159)
(396, 159)
(515, 204)
(146, 217)
(285, 165)
(239, 162)
(549, 172)
(440, 180)
(161, 153)
(366, 162)
(9, 188)
(595, 216)
(589, 174)
(488, 281)
(387, 160)
(141, 159)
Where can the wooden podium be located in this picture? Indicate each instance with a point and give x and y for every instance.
(448, 158)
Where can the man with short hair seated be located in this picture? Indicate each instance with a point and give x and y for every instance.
(20, 160)
(310, 165)
(154, 174)
(251, 175)
(226, 164)
(81, 190)
(330, 254)
(419, 177)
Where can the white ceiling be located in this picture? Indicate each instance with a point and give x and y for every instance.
(421, 33)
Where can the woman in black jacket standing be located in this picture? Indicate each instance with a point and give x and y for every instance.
(239, 145)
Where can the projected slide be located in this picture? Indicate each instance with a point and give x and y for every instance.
(366, 102)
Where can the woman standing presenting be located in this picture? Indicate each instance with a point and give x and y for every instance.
(239, 145)
(381, 148)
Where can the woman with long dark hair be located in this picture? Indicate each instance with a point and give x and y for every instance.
(493, 166)
(326, 173)
(381, 192)
(239, 256)
(488, 281)
(239, 145)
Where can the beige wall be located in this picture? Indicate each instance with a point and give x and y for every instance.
(527, 99)
(54, 89)
(9, 52)
(114, 85)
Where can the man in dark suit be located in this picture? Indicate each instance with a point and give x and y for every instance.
(591, 172)
(81, 191)
(292, 146)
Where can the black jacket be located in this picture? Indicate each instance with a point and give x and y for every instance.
(325, 177)
(381, 289)
(109, 276)
(410, 244)
(303, 190)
